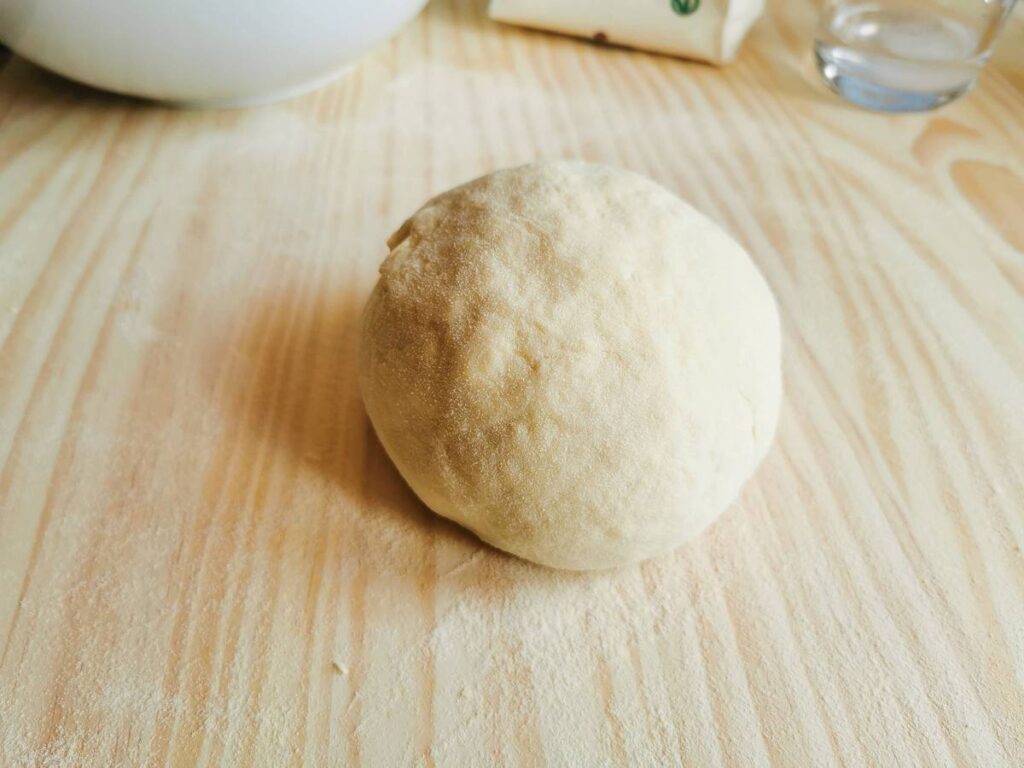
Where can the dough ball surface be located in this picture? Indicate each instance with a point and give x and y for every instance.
(571, 362)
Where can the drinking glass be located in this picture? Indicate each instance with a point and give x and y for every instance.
(906, 55)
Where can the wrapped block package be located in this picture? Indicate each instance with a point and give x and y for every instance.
(709, 30)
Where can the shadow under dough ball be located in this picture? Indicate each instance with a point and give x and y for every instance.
(571, 362)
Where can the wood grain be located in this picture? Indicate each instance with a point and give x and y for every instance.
(206, 558)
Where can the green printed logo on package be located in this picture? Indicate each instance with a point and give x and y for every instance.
(685, 7)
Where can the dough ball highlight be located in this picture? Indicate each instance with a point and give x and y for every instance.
(571, 362)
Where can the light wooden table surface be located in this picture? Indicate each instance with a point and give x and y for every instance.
(206, 558)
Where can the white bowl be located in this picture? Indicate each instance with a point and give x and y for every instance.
(206, 52)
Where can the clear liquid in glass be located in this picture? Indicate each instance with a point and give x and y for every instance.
(906, 55)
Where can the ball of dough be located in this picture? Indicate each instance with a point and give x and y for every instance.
(572, 363)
